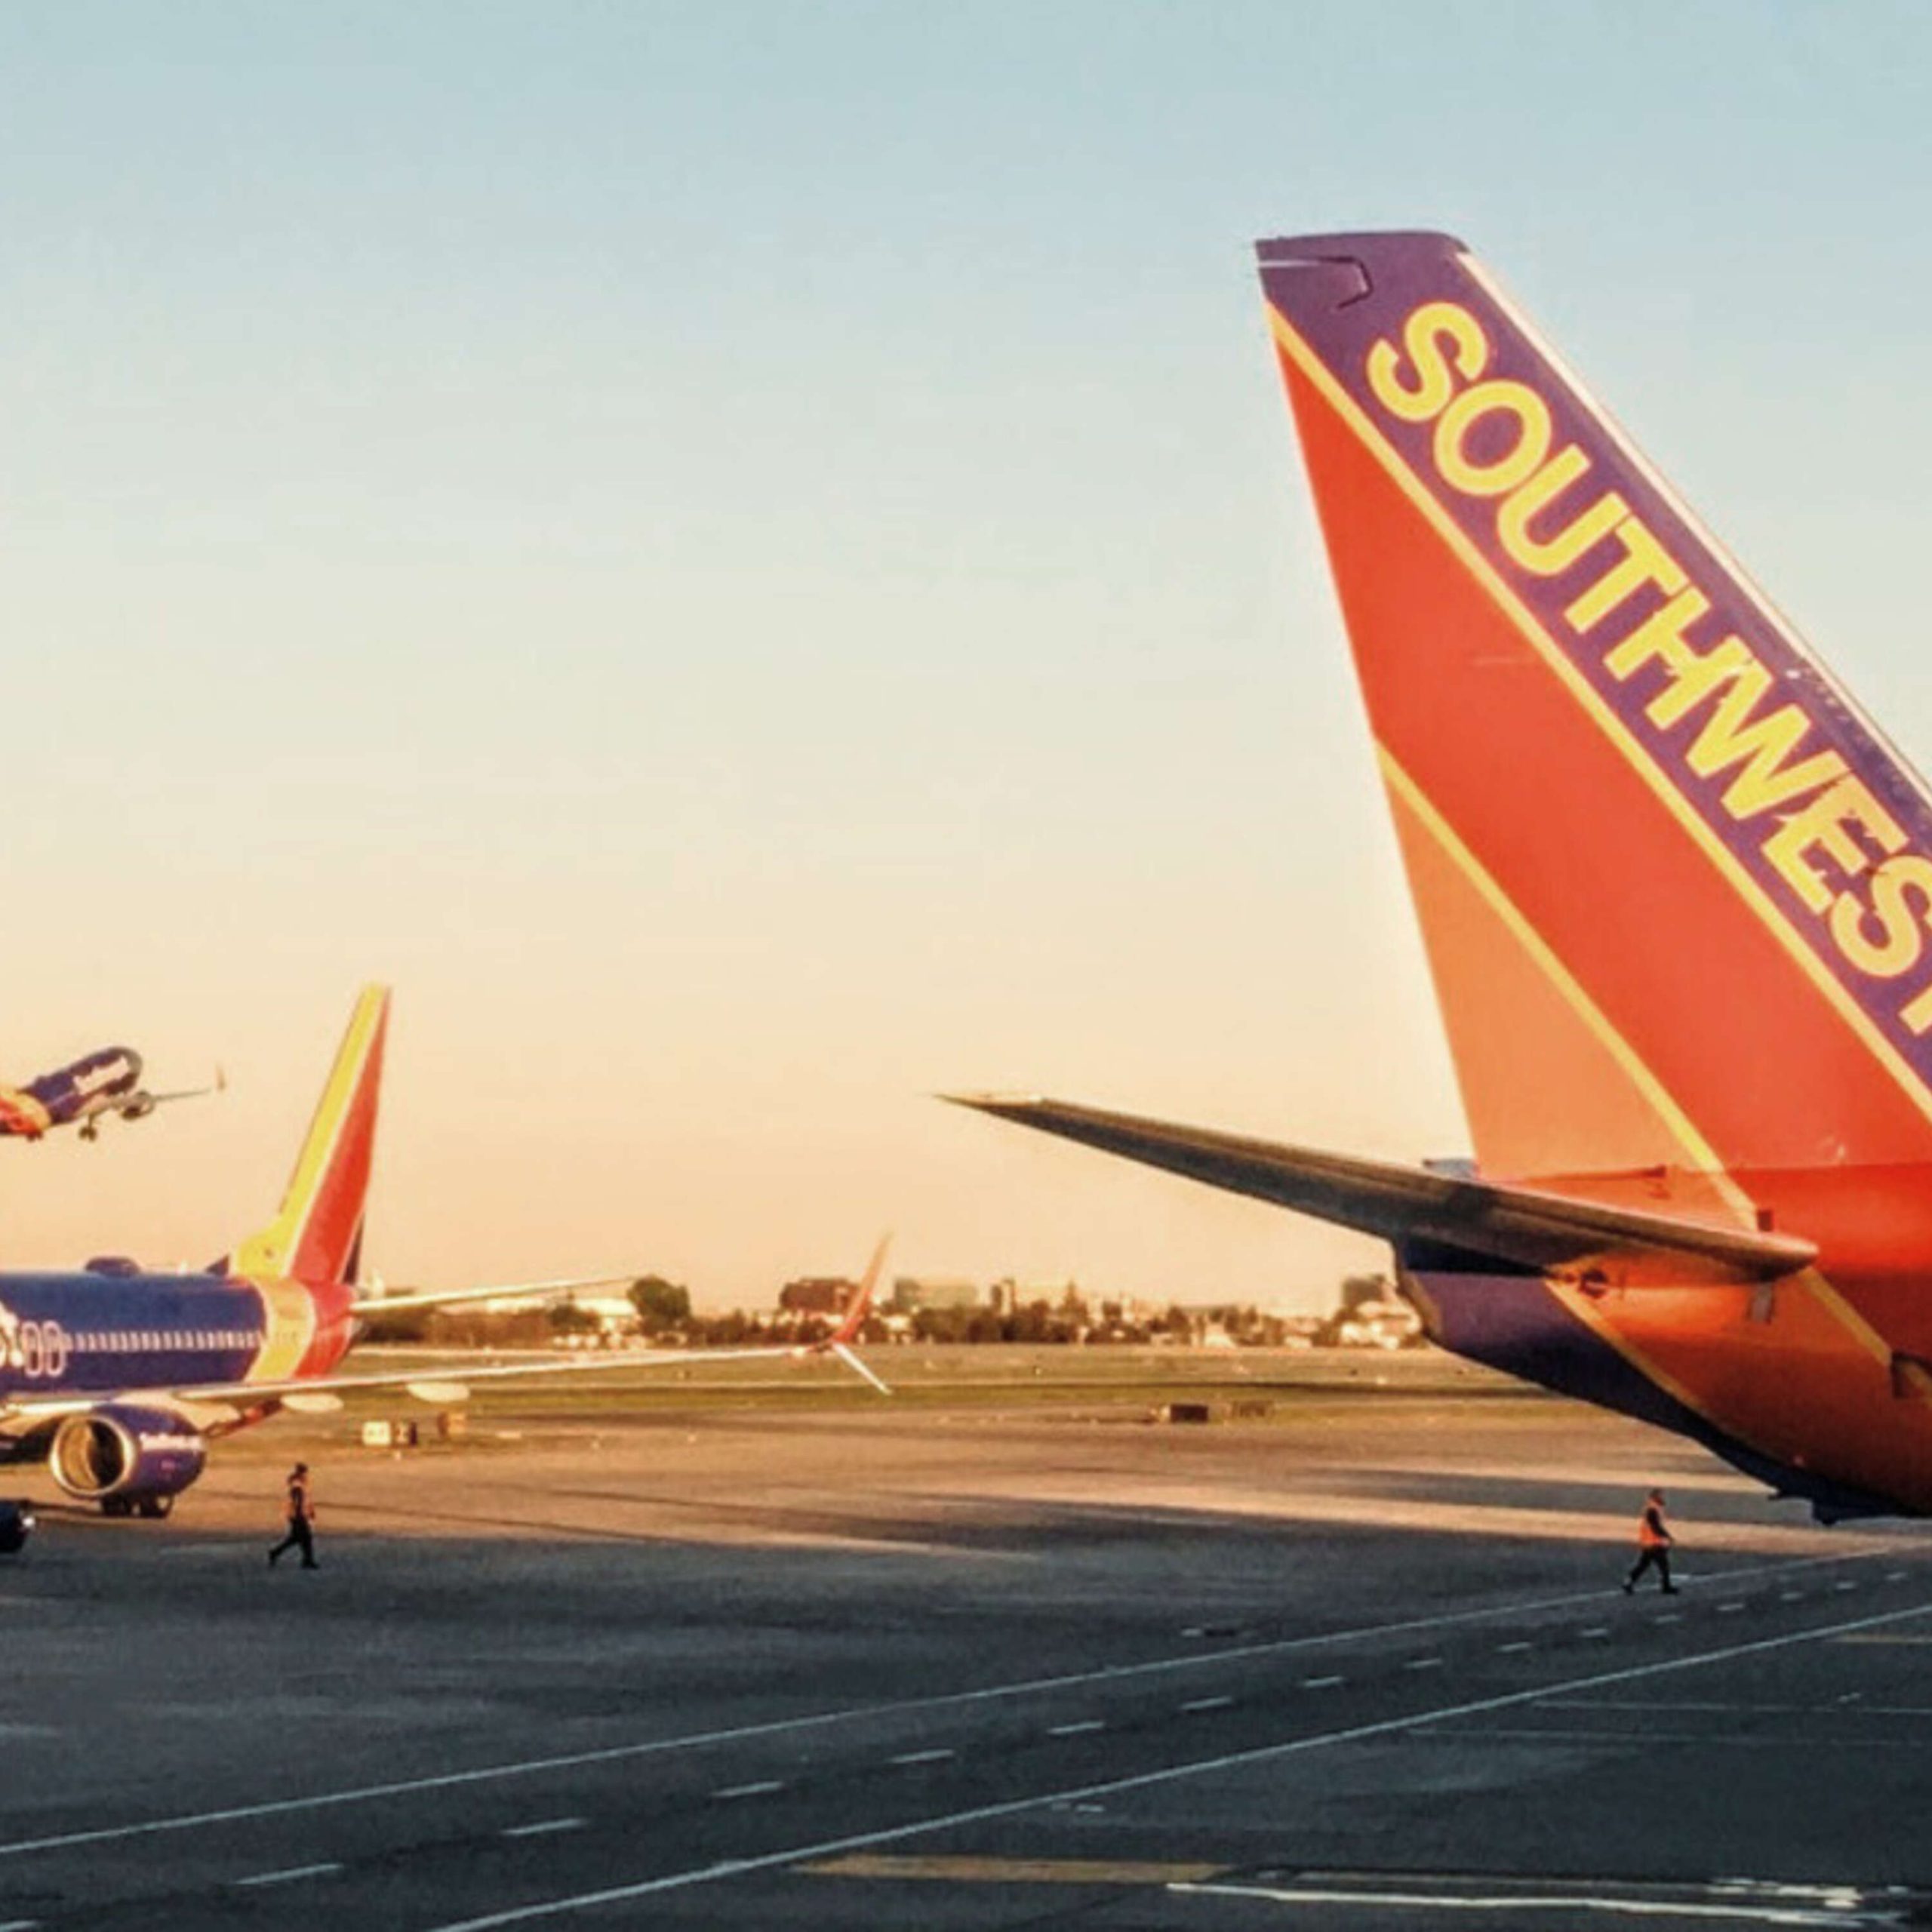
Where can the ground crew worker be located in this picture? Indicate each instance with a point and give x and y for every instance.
(300, 1514)
(1653, 1544)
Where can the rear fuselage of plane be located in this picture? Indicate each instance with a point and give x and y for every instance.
(1820, 1384)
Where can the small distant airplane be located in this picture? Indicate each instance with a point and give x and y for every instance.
(108, 1081)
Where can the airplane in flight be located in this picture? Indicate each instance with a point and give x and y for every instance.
(119, 1379)
(1675, 891)
(83, 1092)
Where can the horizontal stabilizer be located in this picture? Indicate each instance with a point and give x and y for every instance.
(1521, 1226)
(367, 1306)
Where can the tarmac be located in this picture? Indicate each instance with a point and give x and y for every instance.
(1363, 1663)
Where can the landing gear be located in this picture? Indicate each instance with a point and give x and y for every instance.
(90, 1130)
(152, 1507)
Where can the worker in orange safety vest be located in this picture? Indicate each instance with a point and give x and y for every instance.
(1654, 1546)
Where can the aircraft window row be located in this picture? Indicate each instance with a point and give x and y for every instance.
(143, 1341)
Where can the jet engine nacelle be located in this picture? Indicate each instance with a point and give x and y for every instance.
(137, 1106)
(126, 1458)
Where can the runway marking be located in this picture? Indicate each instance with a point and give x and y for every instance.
(1321, 1683)
(289, 1874)
(1596, 1630)
(1643, 1739)
(1669, 1616)
(1079, 1729)
(922, 1757)
(1493, 1901)
(1845, 1583)
(1791, 1596)
(806, 1854)
(1423, 1663)
(323, 1801)
(763, 1788)
(1511, 1649)
(1729, 1609)
(1208, 1704)
(543, 1828)
(1723, 1707)
(1895, 1576)
(1727, 1707)
(1884, 1638)
(1011, 1871)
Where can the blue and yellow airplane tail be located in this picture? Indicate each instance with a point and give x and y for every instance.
(1676, 890)
(316, 1235)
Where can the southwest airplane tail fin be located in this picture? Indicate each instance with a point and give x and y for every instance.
(1675, 889)
(316, 1235)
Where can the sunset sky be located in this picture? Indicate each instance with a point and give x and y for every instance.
(751, 560)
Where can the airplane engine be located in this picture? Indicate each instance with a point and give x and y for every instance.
(137, 1106)
(131, 1460)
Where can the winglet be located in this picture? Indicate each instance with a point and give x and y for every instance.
(839, 1342)
(317, 1234)
(860, 1305)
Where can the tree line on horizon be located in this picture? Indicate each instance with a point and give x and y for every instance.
(665, 1316)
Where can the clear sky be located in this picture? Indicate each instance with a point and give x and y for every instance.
(752, 561)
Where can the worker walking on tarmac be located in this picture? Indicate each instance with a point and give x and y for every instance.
(300, 1515)
(1654, 1546)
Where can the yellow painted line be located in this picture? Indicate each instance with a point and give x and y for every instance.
(1703, 1155)
(1015, 1871)
(1635, 751)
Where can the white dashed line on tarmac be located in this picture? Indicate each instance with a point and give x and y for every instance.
(1669, 1617)
(720, 1871)
(1321, 1683)
(184, 1821)
(1844, 1583)
(1895, 1576)
(1729, 1609)
(1791, 1596)
(1208, 1704)
(543, 1828)
(763, 1788)
(922, 1757)
(1515, 1649)
(1423, 1663)
(1079, 1729)
(1596, 1630)
(289, 1874)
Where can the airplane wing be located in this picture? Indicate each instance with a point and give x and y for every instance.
(42, 1408)
(218, 1085)
(1523, 1226)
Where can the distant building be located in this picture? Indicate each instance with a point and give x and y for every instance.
(1379, 1325)
(912, 1293)
(816, 1294)
(615, 1316)
(1008, 1296)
